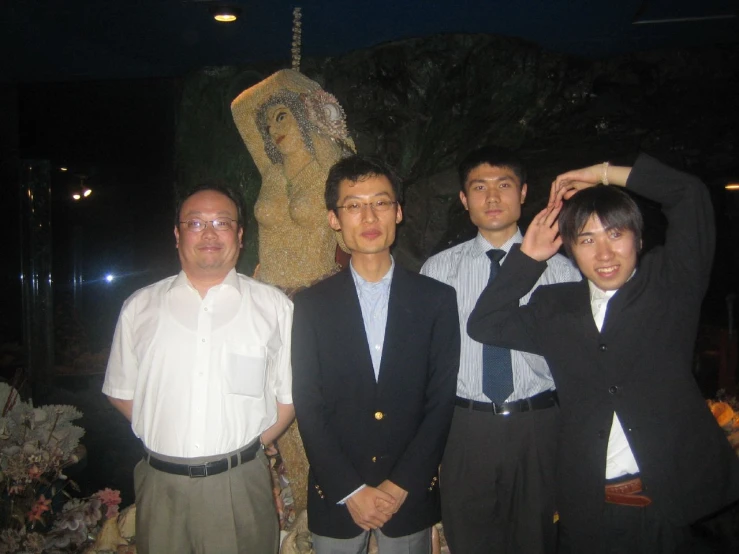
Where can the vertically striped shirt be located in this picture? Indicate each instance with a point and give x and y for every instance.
(466, 267)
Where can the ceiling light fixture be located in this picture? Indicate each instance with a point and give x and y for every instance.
(732, 186)
(225, 13)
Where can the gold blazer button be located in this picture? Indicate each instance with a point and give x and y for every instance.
(379, 416)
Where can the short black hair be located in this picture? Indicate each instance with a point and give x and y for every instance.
(615, 210)
(357, 168)
(228, 192)
(491, 155)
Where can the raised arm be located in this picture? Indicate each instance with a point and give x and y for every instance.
(497, 318)
(691, 231)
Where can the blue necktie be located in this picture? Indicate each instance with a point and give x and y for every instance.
(497, 373)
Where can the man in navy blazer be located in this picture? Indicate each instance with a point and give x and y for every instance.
(640, 456)
(375, 354)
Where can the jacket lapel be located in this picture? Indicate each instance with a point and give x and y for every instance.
(622, 324)
(399, 321)
(352, 328)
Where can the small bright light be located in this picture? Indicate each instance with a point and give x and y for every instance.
(86, 193)
(225, 12)
(732, 186)
(76, 196)
(109, 277)
(62, 169)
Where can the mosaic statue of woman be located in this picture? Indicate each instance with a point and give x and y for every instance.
(295, 132)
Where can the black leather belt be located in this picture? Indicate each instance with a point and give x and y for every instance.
(206, 469)
(541, 401)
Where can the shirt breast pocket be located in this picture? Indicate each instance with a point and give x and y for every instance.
(246, 370)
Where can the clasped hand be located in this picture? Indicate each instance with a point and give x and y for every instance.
(372, 507)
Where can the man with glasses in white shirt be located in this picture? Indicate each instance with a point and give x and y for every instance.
(200, 365)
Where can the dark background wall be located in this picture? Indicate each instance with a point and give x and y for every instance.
(421, 104)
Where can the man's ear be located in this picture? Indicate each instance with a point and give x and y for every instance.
(463, 198)
(333, 221)
(176, 237)
(524, 190)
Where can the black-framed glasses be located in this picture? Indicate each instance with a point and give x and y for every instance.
(219, 224)
(355, 208)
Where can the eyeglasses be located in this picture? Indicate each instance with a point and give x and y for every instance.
(355, 208)
(198, 225)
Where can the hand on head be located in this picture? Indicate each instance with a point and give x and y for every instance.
(566, 185)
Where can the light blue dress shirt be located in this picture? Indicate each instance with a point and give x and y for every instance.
(373, 300)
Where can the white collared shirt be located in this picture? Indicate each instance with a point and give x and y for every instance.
(466, 267)
(204, 374)
(619, 457)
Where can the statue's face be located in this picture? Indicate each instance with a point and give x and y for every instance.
(283, 129)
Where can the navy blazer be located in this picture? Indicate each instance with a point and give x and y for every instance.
(639, 365)
(360, 431)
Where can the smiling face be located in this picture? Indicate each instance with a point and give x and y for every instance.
(283, 129)
(607, 257)
(208, 255)
(493, 196)
(370, 231)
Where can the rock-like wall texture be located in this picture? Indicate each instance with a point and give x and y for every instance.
(422, 104)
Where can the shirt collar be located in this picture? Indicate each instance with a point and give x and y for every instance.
(231, 280)
(480, 245)
(598, 294)
(360, 281)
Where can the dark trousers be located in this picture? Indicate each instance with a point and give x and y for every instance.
(634, 530)
(497, 482)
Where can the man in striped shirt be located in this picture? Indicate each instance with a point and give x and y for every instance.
(497, 473)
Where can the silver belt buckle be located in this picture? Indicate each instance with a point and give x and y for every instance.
(198, 471)
(503, 412)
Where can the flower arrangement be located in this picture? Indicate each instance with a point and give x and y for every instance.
(36, 445)
(726, 412)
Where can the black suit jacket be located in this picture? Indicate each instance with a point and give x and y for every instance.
(357, 431)
(639, 365)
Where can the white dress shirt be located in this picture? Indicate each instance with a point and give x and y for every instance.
(204, 374)
(619, 457)
(466, 267)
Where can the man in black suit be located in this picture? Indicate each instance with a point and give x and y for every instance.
(640, 456)
(375, 355)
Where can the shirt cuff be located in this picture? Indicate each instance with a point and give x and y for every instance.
(348, 496)
(284, 398)
(120, 394)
